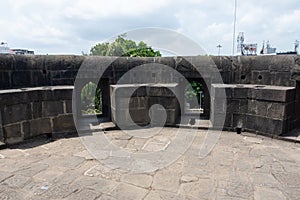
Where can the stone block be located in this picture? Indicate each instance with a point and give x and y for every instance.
(36, 109)
(240, 93)
(219, 105)
(243, 106)
(254, 123)
(62, 81)
(171, 117)
(21, 78)
(275, 127)
(238, 120)
(68, 104)
(282, 63)
(233, 106)
(168, 102)
(139, 116)
(1, 128)
(265, 125)
(282, 78)
(133, 62)
(52, 108)
(134, 102)
(40, 126)
(160, 91)
(16, 113)
(63, 123)
(276, 110)
(290, 95)
(38, 78)
(168, 61)
(262, 108)
(252, 107)
(11, 97)
(26, 129)
(261, 77)
(5, 80)
(221, 91)
(13, 130)
(277, 95)
(62, 94)
(291, 111)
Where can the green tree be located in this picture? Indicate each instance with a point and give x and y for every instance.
(124, 47)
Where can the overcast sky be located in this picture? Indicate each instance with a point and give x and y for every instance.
(73, 26)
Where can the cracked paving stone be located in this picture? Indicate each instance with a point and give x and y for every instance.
(17, 181)
(106, 197)
(203, 189)
(128, 192)
(289, 179)
(240, 189)
(85, 194)
(58, 191)
(95, 183)
(262, 179)
(141, 180)
(261, 193)
(166, 180)
(4, 175)
(12, 194)
(162, 195)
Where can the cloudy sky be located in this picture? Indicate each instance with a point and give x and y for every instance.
(73, 26)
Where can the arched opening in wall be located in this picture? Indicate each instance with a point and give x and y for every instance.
(92, 102)
(91, 99)
(196, 101)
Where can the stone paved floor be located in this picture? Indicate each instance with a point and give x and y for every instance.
(239, 167)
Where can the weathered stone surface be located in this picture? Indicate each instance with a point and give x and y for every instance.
(16, 113)
(140, 180)
(17, 181)
(40, 126)
(85, 194)
(13, 130)
(264, 168)
(125, 191)
(64, 123)
(262, 193)
(52, 108)
(166, 180)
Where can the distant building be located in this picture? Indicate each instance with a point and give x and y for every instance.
(268, 49)
(4, 49)
(22, 52)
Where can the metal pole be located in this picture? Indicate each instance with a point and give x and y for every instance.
(219, 50)
(234, 25)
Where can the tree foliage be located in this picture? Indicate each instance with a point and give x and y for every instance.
(124, 47)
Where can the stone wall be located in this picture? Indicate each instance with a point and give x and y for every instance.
(263, 109)
(17, 71)
(132, 104)
(35, 110)
(30, 112)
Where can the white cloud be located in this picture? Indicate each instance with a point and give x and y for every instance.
(65, 26)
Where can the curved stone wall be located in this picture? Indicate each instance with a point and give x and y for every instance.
(18, 71)
(28, 109)
(29, 112)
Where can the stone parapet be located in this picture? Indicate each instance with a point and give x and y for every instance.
(29, 112)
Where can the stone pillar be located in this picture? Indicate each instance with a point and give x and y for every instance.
(206, 99)
(105, 92)
(298, 103)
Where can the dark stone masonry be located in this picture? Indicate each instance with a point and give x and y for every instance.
(262, 92)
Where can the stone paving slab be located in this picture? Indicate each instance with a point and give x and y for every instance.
(239, 167)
